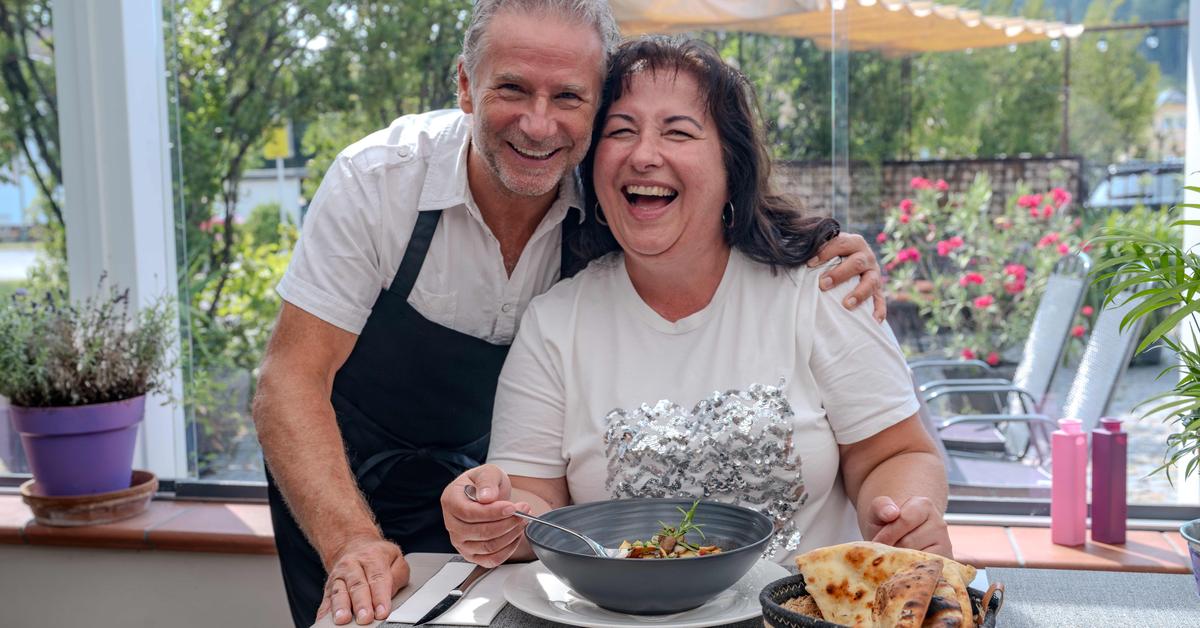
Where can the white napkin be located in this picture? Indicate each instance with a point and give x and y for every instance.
(480, 605)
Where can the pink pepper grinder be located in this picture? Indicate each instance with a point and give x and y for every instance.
(1068, 483)
(1109, 509)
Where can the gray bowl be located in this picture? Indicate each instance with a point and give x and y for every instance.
(649, 587)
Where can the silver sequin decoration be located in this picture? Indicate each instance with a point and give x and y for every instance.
(733, 447)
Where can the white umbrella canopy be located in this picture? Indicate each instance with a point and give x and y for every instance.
(894, 27)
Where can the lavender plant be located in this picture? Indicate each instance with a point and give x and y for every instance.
(55, 352)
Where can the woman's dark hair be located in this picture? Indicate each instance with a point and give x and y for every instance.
(767, 227)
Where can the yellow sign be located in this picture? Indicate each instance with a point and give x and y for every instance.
(279, 144)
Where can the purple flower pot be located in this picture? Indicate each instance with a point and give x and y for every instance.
(1191, 532)
(80, 450)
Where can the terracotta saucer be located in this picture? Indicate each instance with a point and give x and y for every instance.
(96, 509)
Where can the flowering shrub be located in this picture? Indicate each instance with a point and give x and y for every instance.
(976, 276)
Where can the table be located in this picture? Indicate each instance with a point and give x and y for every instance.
(1035, 597)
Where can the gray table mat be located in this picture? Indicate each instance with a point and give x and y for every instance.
(1034, 597)
(1060, 597)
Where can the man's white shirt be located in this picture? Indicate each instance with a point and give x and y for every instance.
(362, 217)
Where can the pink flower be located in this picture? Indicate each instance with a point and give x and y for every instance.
(1016, 270)
(1033, 213)
(920, 183)
(1047, 211)
(1087, 310)
(984, 301)
(1078, 331)
(1086, 248)
(1063, 249)
(1061, 196)
(1015, 287)
(881, 238)
(1030, 200)
(904, 218)
(906, 206)
(911, 254)
(970, 278)
(945, 246)
(941, 185)
(967, 354)
(992, 358)
(1048, 239)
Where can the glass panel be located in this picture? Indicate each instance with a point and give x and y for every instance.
(32, 245)
(262, 101)
(1074, 137)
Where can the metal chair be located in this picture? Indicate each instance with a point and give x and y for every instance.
(1027, 391)
(1104, 361)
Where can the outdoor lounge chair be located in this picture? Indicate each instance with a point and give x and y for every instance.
(1027, 391)
(1104, 361)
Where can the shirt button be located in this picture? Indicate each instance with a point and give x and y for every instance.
(404, 152)
(507, 307)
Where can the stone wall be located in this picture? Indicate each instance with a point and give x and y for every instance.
(875, 187)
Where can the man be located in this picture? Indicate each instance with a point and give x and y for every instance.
(420, 252)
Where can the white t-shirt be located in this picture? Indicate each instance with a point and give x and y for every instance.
(745, 401)
(360, 220)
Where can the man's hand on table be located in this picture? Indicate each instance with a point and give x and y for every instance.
(365, 574)
(859, 262)
(484, 532)
(916, 524)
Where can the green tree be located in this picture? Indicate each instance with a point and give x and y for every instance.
(1112, 92)
(28, 103)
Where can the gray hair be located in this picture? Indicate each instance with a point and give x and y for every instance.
(594, 13)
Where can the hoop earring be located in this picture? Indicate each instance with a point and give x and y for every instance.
(600, 215)
(728, 223)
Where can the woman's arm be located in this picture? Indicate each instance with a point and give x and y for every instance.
(542, 495)
(897, 483)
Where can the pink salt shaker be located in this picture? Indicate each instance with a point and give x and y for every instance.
(1068, 483)
(1109, 508)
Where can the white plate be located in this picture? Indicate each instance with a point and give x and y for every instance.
(540, 593)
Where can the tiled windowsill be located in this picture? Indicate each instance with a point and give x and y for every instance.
(246, 529)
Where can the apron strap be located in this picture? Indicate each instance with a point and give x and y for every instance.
(374, 470)
(569, 262)
(414, 255)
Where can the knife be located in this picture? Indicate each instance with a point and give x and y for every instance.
(454, 596)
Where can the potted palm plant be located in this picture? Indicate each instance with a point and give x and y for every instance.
(1167, 275)
(76, 375)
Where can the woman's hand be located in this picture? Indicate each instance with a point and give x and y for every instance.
(916, 524)
(860, 262)
(484, 532)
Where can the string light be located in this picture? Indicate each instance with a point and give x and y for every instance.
(1151, 42)
(1102, 45)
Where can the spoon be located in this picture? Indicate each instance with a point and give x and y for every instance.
(597, 549)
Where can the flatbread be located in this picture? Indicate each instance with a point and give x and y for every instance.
(843, 579)
(901, 601)
(944, 611)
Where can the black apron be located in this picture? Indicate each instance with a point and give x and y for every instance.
(414, 406)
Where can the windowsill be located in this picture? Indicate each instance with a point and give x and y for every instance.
(189, 526)
(242, 528)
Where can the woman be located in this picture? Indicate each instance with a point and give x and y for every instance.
(701, 358)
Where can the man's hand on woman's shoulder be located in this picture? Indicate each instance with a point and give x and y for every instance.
(859, 262)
